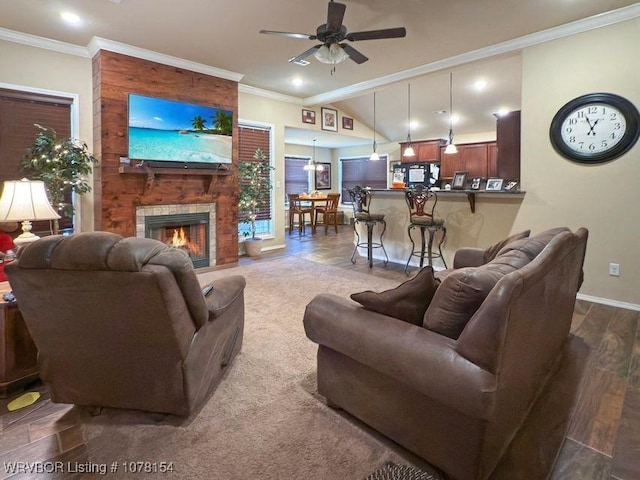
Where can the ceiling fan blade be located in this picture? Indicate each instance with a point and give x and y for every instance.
(304, 36)
(377, 34)
(335, 16)
(304, 55)
(354, 54)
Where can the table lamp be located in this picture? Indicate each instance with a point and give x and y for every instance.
(23, 201)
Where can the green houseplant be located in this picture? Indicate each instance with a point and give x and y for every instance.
(254, 178)
(63, 166)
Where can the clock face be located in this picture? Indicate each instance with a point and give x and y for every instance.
(595, 128)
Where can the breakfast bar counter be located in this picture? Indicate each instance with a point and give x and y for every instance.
(473, 218)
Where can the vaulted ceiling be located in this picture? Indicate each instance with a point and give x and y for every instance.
(459, 36)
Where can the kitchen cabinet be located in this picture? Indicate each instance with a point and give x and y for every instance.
(471, 157)
(508, 142)
(426, 151)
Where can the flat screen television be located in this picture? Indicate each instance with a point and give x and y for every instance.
(168, 133)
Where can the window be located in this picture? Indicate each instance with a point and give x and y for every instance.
(296, 178)
(18, 113)
(364, 172)
(250, 138)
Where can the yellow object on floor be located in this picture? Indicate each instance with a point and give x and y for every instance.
(22, 401)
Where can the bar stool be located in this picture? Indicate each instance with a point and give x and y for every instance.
(361, 201)
(423, 217)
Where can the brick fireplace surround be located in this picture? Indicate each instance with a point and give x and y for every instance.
(118, 195)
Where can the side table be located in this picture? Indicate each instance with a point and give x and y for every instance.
(18, 353)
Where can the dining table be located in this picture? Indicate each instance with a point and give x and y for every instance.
(314, 199)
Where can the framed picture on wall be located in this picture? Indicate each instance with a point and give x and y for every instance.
(323, 177)
(347, 123)
(329, 119)
(308, 116)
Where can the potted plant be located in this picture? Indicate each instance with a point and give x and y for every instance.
(254, 182)
(63, 166)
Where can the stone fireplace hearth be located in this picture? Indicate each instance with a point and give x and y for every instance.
(198, 217)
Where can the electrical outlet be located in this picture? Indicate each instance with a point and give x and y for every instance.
(614, 269)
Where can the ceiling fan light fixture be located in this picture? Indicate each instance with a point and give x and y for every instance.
(332, 54)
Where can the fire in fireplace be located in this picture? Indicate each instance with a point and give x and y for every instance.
(189, 232)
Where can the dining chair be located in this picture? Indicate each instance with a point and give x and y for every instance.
(329, 212)
(297, 207)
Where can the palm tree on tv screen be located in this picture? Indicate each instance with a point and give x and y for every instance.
(198, 123)
(224, 122)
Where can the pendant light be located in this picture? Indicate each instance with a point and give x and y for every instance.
(408, 151)
(450, 148)
(374, 155)
(312, 165)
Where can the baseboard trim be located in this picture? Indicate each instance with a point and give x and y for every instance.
(607, 301)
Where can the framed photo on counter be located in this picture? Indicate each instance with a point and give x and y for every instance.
(475, 183)
(459, 180)
(494, 185)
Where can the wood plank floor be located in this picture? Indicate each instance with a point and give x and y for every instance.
(603, 440)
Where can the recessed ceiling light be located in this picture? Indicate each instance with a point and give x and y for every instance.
(440, 112)
(297, 81)
(480, 85)
(70, 18)
(455, 119)
(502, 112)
(413, 125)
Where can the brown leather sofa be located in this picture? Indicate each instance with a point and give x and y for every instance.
(123, 322)
(455, 393)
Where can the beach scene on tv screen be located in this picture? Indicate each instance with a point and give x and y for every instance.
(168, 130)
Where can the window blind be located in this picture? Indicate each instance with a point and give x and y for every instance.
(251, 138)
(364, 172)
(296, 178)
(19, 111)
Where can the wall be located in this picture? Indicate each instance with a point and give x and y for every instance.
(36, 68)
(602, 198)
(116, 194)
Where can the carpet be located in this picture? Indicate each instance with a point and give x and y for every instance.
(265, 420)
(391, 471)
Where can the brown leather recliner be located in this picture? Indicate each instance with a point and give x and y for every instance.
(123, 322)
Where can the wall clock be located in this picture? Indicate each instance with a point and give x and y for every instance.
(595, 128)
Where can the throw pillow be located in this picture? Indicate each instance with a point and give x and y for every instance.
(461, 294)
(491, 252)
(408, 301)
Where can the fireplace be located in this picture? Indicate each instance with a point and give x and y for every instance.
(189, 227)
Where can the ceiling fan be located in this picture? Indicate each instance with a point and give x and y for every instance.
(332, 33)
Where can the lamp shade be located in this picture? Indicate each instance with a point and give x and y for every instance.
(25, 200)
(331, 54)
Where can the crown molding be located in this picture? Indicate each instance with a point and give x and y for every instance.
(509, 46)
(98, 43)
(41, 42)
(261, 92)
